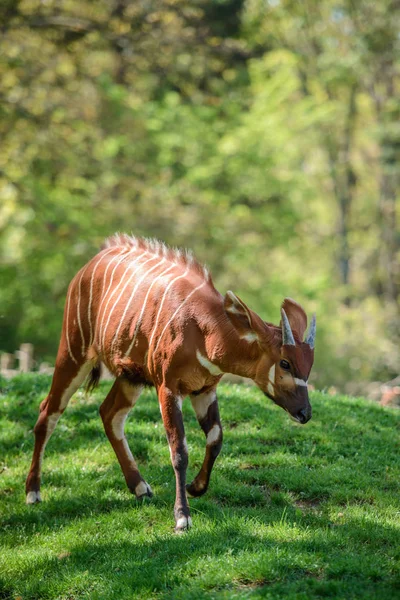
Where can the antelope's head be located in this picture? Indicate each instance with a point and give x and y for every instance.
(288, 376)
(281, 360)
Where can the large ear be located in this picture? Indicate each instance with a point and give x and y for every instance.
(296, 315)
(238, 312)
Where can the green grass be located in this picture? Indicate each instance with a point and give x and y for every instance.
(293, 512)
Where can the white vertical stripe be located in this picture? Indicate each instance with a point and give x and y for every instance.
(132, 296)
(143, 308)
(162, 303)
(130, 264)
(67, 324)
(124, 251)
(102, 297)
(125, 254)
(176, 312)
(123, 290)
(78, 310)
(91, 292)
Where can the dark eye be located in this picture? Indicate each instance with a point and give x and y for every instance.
(285, 365)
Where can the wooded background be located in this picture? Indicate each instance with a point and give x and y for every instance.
(264, 135)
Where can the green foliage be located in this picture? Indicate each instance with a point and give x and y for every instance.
(264, 136)
(294, 512)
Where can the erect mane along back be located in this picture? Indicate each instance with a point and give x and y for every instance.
(158, 248)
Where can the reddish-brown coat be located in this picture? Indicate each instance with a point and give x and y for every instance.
(152, 315)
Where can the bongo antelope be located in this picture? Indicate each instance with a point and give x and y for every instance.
(152, 315)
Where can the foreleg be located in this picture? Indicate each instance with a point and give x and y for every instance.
(206, 408)
(171, 411)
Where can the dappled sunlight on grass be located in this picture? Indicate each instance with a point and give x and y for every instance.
(290, 511)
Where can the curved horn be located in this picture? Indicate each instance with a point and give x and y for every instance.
(311, 334)
(287, 335)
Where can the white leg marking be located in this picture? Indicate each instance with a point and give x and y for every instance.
(131, 393)
(121, 293)
(142, 489)
(91, 293)
(75, 383)
(203, 402)
(213, 434)
(52, 421)
(179, 402)
(129, 454)
(162, 303)
(184, 523)
(176, 312)
(118, 423)
(209, 366)
(33, 497)
(144, 306)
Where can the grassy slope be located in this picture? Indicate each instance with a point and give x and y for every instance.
(292, 512)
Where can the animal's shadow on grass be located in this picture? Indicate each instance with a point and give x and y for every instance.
(158, 562)
(235, 495)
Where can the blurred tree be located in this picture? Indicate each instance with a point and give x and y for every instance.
(262, 134)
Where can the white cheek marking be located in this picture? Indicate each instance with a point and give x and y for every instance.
(213, 435)
(271, 378)
(202, 403)
(271, 374)
(300, 382)
(211, 368)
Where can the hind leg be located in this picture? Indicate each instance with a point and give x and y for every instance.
(120, 400)
(68, 376)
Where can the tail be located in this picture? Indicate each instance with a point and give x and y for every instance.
(93, 378)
